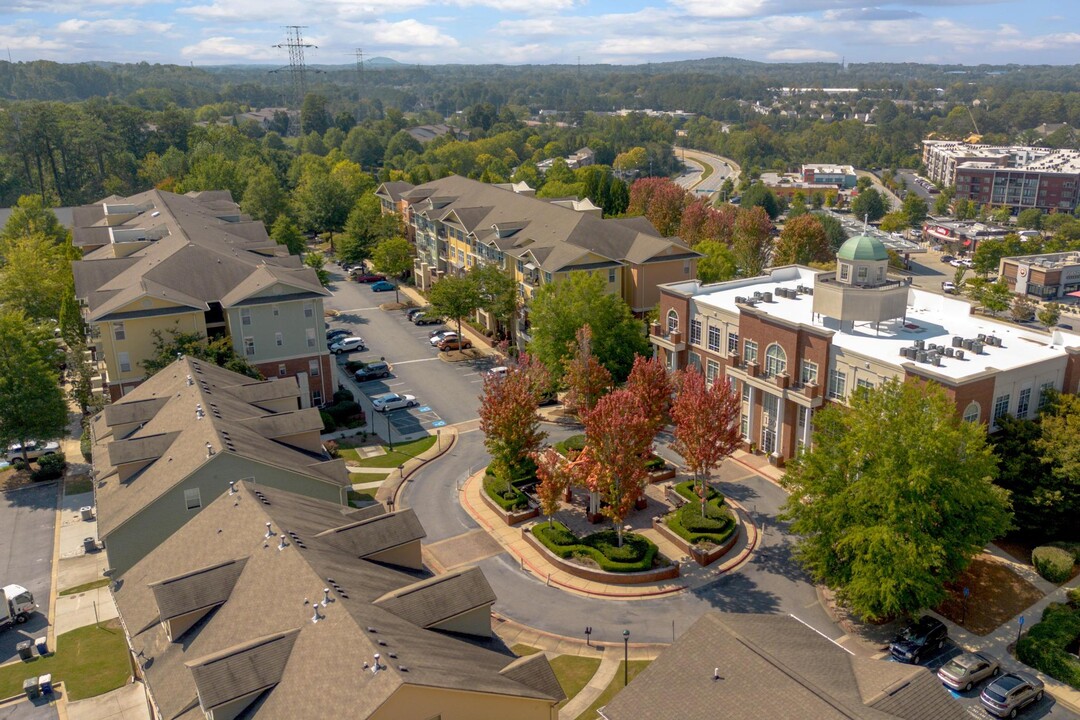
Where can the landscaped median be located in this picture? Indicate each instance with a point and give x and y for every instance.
(705, 537)
(1051, 646)
(508, 502)
(598, 557)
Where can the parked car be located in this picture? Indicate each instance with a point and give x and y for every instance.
(382, 286)
(1010, 693)
(347, 344)
(352, 267)
(372, 371)
(412, 312)
(392, 401)
(423, 318)
(498, 372)
(455, 343)
(948, 287)
(366, 277)
(965, 671)
(912, 644)
(947, 258)
(334, 335)
(34, 450)
(437, 336)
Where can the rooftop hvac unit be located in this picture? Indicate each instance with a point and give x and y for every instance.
(977, 347)
(766, 296)
(959, 354)
(920, 344)
(809, 291)
(936, 359)
(903, 351)
(948, 352)
(910, 352)
(932, 346)
(920, 356)
(740, 299)
(966, 344)
(981, 337)
(757, 294)
(957, 341)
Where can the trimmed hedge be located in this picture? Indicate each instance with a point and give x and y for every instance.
(495, 487)
(49, 467)
(687, 490)
(1053, 563)
(342, 412)
(656, 463)
(328, 423)
(686, 522)
(636, 554)
(574, 443)
(1044, 646)
(85, 446)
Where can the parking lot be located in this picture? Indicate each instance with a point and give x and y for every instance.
(446, 393)
(27, 531)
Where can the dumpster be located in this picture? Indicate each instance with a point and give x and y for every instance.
(26, 650)
(42, 645)
(45, 684)
(31, 688)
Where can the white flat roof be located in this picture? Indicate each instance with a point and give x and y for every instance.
(931, 317)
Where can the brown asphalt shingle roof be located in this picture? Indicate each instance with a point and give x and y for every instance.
(275, 594)
(363, 538)
(238, 671)
(429, 602)
(198, 589)
(774, 666)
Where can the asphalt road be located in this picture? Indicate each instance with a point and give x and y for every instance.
(710, 185)
(27, 531)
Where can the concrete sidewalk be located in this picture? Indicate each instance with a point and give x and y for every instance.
(609, 665)
(126, 703)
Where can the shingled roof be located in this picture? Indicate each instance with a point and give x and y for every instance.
(279, 594)
(187, 411)
(764, 666)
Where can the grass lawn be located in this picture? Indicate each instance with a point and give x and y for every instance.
(358, 478)
(89, 661)
(636, 666)
(78, 485)
(997, 594)
(522, 650)
(401, 453)
(100, 583)
(573, 672)
(356, 497)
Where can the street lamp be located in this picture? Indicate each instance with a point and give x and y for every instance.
(626, 657)
(389, 430)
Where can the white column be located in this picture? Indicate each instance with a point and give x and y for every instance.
(806, 427)
(778, 427)
(750, 416)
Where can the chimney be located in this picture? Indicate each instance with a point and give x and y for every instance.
(269, 531)
(283, 544)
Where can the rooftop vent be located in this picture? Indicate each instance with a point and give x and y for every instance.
(282, 545)
(269, 531)
(209, 449)
(315, 616)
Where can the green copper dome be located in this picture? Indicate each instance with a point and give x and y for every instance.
(862, 247)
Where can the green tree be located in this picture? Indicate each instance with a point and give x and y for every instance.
(894, 498)
(454, 297)
(320, 200)
(32, 405)
(170, 345)
(365, 228)
(1048, 315)
(263, 198)
(284, 232)
(558, 309)
(915, 208)
(894, 221)
(314, 117)
(997, 298)
(869, 204)
(834, 230)
(316, 262)
(1044, 506)
(802, 242)
(752, 241)
(757, 195)
(393, 256)
(1030, 218)
(498, 292)
(717, 265)
(1061, 452)
(31, 217)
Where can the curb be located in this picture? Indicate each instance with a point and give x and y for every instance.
(500, 618)
(395, 493)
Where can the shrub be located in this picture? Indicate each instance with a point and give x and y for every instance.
(49, 467)
(1045, 645)
(1074, 597)
(342, 412)
(636, 554)
(509, 500)
(341, 395)
(351, 367)
(656, 463)
(574, 443)
(687, 522)
(84, 445)
(687, 490)
(1053, 563)
(1071, 547)
(328, 423)
(332, 449)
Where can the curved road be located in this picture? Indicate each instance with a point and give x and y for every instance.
(771, 583)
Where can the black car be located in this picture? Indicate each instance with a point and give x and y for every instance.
(333, 335)
(946, 258)
(372, 371)
(913, 643)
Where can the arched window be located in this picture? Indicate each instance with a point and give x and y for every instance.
(672, 321)
(972, 412)
(775, 360)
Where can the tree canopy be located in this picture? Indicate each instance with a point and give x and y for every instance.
(32, 405)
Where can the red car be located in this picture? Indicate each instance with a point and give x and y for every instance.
(365, 277)
(455, 343)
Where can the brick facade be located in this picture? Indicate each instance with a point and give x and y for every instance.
(323, 383)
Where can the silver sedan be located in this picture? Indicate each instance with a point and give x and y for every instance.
(965, 671)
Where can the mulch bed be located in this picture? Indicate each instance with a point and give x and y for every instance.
(11, 479)
(1018, 550)
(997, 594)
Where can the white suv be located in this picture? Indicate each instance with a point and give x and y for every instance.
(34, 450)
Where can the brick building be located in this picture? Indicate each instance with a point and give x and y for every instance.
(1050, 276)
(794, 339)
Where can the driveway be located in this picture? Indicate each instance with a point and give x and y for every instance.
(27, 531)
(39, 709)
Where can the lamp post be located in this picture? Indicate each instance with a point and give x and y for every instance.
(588, 632)
(389, 430)
(626, 657)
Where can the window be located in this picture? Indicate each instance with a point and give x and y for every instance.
(277, 310)
(861, 384)
(712, 371)
(695, 332)
(1001, 407)
(311, 337)
(750, 351)
(714, 338)
(694, 361)
(732, 343)
(775, 360)
(245, 316)
(279, 339)
(686, 267)
(1023, 403)
(124, 360)
(809, 372)
(316, 397)
(118, 331)
(249, 346)
(611, 275)
(192, 499)
(672, 321)
(972, 412)
(313, 368)
(837, 385)
(309, 309)
(861, 275)
(1045, 390)
(744, 415)
(281, 369)
(845, 272)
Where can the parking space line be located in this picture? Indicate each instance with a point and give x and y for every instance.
(357, 310)
(409, 362)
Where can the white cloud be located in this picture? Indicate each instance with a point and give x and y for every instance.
(408, 33)
(112, 26)
(521, 6)
(802, 55)
(17, 41)
(223, 47)
(531, 28)
(722, 8)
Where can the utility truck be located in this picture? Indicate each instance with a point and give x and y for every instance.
(16, 605)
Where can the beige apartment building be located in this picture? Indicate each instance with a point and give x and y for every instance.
(159, 262)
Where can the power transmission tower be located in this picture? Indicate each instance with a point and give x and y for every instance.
(360, 64)
(294, 41)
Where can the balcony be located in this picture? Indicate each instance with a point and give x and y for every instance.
(672, 341)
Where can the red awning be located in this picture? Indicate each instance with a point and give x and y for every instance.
(967, 243)
(1073, 294)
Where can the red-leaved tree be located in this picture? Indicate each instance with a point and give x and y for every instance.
(650, 382)
(508, 418)
(618, 435)
(706, 425)
(586, 378)
(701, 221)
(554, 477)
(752, 242)
(661, 201)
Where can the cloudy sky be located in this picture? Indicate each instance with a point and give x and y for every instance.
(206, 32)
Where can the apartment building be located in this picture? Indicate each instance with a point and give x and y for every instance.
(797, 338)
(458, 223)
(273, 605)
(164, 451)
(1017, 177)
(159, 262)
